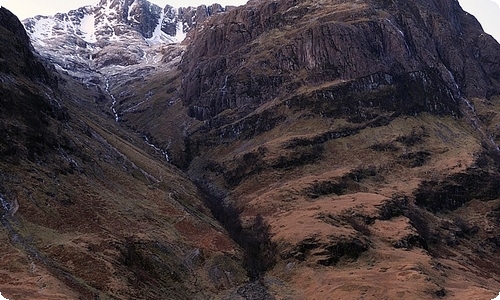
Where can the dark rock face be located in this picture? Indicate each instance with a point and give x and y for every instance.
(147, 17)
(24, 61)
(141, 15)
(266, 49)
(26, 107)
(192, 16)
(11, 23)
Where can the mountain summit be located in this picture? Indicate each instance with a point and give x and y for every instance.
(115, 19)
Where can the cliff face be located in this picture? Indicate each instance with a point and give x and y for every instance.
(23, 62)
(27, 94)
(271, 49)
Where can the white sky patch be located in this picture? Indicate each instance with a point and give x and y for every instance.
(497, 298)
(2, 298)
(486, 12)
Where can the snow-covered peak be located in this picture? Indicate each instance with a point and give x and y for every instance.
(113, 34)
(111, 20)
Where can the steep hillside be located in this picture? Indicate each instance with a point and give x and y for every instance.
(88, 210)
(349, 148)
(364, 134)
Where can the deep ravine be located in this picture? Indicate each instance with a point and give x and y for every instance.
(255, 241)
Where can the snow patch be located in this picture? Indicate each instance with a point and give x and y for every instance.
(497, 298)
(87, 27)
(160, 37)
(156, 38)
(180, 35)
(43, 29)
(2, 298)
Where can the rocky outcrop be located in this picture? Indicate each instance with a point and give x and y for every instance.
(28, 93)
(24, 62)
(192, 16)
(270, 49)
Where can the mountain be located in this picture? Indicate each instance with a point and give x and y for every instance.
(339, 150)
(363, 133)
(88, 209)
(96, 42)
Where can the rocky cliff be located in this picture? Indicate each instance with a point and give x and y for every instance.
(273, 49)
(362, 132)
(27, 94)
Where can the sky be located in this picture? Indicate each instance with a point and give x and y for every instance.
(24, 9)
(486, 11)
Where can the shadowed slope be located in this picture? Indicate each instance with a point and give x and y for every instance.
(88, 211)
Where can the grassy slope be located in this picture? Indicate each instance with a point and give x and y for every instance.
(348, 200)
(315, 204)
(102, 214)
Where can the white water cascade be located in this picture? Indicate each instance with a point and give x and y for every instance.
(113, 103)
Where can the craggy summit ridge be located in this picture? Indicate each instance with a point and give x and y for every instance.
(110, 18)
(113, 33)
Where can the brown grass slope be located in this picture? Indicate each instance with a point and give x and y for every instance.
(362, 134)
(88, 209)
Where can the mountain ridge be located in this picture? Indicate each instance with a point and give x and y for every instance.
(93, 39)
